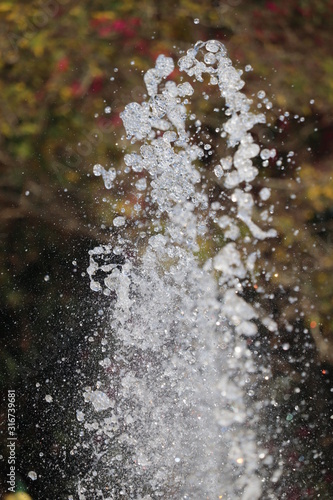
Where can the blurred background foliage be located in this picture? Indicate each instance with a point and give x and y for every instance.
(67, 69)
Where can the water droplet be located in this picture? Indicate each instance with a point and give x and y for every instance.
(80, 415)
(265, 193)
(97, 169)
(213, 46)
(119, 221)
(218, 171)
(265, 154)
(32, 475)
(141, 184)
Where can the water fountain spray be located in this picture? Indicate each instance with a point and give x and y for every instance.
(172, 417)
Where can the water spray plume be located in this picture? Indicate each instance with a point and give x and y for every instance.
(171, 416)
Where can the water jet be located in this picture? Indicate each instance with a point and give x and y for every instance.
(172, 415)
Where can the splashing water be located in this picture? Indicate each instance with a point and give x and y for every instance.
(172, 417)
